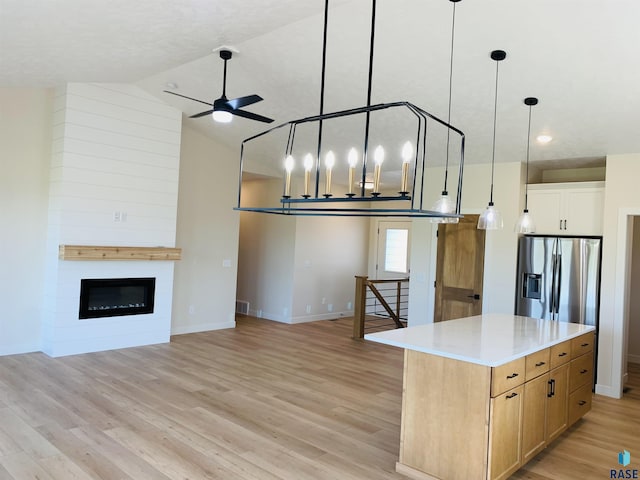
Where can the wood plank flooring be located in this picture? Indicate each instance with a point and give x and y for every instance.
(262, 401)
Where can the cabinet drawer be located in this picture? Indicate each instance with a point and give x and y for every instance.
(581, 372)
(579, 403)
(536, 364)
(560, 354)
(581, 345)
(507, 376)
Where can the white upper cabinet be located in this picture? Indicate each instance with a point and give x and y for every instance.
(567, 208)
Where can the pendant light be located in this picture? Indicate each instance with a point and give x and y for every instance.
(525, 222)
(444, 204)
(491, 218)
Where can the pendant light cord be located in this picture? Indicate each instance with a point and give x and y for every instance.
(495, 115)
(365, 151)
(453, 28)
(322, 81)
(526, 185)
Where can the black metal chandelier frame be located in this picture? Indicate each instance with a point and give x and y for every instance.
(320, 205)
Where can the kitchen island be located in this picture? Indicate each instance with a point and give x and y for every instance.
(483, 395)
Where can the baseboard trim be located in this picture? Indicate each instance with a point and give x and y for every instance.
(321, 316)
(607, 391)
(203, 327)
(633, 358)
(19, 349)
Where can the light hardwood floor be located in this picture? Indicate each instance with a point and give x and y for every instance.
(263, 401)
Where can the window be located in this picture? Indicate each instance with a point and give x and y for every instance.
(396, 250)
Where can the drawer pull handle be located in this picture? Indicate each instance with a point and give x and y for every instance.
(563, 354)
(513, 375)
(512, 395)
(584, 345)
(584, 371)
(539, 364)
(582, 402)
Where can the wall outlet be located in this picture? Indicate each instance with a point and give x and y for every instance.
(349, 305)
(259, 313)
(285, 312)
(226, 263)
(116, 216)
(192, 309)
(308, 308)
(330, 307)
(324, 300)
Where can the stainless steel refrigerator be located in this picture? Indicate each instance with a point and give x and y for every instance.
(559, 278)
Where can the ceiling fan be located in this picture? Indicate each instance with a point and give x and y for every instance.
(223, 108)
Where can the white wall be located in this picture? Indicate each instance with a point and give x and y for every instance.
(25, 152)
(115, 149)
(329, 253)
(501, 246)
(266, 256)
(207, 231)
(289, 262)
(621, 204)
(633, 354)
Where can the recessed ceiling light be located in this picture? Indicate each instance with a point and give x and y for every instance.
(544, 138)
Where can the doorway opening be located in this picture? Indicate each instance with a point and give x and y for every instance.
(633, 300)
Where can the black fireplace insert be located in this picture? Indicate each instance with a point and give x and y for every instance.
(111, 297)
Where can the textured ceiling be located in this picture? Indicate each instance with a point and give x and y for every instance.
(578, 56)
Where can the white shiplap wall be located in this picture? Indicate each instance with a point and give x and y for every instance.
(115, 149)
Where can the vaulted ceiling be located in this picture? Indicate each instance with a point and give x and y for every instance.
(579, 57)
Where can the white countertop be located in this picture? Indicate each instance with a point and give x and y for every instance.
(489, 339)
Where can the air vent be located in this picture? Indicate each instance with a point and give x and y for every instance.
(242, 307)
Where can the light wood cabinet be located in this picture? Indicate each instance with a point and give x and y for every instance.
(560, 354)
(536, 364)
(534, 431)
(498, 417)
(507, 376)
(545, 410)
(567, 208)
(579, 403)
(506, 433)
(557, 402)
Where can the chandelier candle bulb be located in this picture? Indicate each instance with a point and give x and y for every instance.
(407, 153)
(378, 158)
(352, 159)
(308, 165)
(329, 162)
(289, 163)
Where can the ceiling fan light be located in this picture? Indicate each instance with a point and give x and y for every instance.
(222, 116)
(525, 223)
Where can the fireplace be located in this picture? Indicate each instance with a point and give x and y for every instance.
(111, 297)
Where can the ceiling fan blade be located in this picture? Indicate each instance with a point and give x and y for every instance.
(244, 101)
(188, 98)
(202, 114)
(251, 116)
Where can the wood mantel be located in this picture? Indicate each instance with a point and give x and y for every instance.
(97, 252)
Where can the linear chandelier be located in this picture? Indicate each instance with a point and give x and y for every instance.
(381, 173)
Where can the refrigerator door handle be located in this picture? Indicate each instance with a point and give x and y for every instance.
(555, 285)
(552, 307)
(558, 283)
